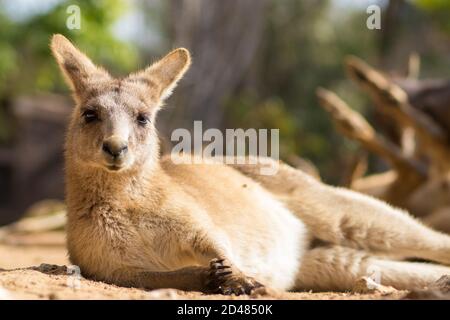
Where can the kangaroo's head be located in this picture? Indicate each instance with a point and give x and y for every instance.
(112, 125)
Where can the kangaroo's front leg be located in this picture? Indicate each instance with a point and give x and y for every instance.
(189, 279)
(215, 273)
(219, 277)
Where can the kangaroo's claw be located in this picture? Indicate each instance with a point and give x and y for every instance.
(223, 278)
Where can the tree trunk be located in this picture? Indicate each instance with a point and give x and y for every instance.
(223, 37)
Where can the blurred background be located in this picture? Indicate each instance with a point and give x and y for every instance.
(256, 64)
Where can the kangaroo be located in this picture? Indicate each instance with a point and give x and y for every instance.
(136, 219)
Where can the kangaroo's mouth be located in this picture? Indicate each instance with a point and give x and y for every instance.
(114, 167)
(115, 164)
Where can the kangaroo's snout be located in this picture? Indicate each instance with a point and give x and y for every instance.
(115, 147)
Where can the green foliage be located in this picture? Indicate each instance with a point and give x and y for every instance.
(439, 11)
(26, 64)
(248, 112)
(304, 47)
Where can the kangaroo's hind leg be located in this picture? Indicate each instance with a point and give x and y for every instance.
(336, 268)
(351, 219)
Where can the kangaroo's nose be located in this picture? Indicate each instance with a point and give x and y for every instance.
(114, 147)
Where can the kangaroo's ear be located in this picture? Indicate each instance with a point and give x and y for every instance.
(166, 72)
(76, 66)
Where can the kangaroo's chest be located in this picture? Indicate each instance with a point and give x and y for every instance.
(98, 239)
(112, 238)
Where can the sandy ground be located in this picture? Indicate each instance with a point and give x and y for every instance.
(35, 267)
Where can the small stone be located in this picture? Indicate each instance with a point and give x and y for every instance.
(53, 296)
(51, 269)
(366, 285)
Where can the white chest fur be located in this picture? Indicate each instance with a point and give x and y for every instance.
(274, 257)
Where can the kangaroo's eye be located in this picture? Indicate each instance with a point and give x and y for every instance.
(90, 115)
(142, 119)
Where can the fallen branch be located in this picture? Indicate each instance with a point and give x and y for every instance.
(393, 101)
(410, 173)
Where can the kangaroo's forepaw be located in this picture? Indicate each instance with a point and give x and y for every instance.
(223, 278)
